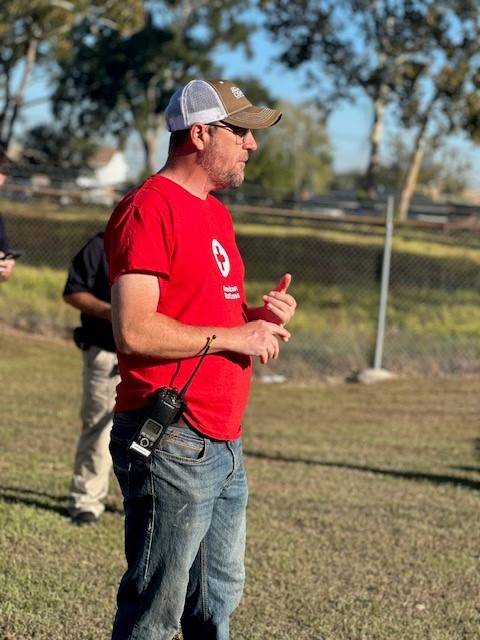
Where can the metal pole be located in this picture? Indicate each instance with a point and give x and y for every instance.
(382, 310)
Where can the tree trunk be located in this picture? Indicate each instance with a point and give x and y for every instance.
(17, 99)
(415, 163)
(375, 140)
(416, 159)
(6, 101)
(411, 179)
(151, 138)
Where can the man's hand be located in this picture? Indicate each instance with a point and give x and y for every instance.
(279, 306)
(6, 269)
(140, 329)
(259, 338)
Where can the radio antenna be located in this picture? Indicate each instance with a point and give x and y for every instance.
(203, 353)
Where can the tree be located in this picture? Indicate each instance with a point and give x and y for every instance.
(381, 49)
(443, 169)
(36, 33)
(118, 84)
(353, 47)
(53, 147)
(447, 99)
(294, 158)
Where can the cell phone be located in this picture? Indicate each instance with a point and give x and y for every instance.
(11, 255)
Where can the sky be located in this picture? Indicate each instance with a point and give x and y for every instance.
(348, 127)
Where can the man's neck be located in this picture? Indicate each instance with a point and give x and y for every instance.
(189, 175)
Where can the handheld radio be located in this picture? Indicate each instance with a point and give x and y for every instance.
(166, 409)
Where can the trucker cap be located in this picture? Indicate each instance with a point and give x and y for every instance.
(208, 101)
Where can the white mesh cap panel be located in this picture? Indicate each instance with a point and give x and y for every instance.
(209, 101)
(197, 101)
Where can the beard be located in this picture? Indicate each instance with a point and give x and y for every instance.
(224, 177)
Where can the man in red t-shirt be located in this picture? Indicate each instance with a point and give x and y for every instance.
(177, 281)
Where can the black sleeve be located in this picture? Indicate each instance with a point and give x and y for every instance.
(84, 267)
(3, 237)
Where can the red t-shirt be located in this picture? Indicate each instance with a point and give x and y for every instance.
(189, 244)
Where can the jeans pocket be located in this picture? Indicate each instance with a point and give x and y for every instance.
(125, 425)
(121, 463)
(183, 444)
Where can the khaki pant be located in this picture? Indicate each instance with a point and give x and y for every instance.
(89, 485)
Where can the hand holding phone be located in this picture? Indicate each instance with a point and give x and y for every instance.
(11, 255)
(7, 266)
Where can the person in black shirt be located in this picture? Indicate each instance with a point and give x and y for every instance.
(87, 289)
(6, 266)
(3, 234)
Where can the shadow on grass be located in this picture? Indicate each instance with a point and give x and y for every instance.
(433, 478)
(472, 469)
(42, 500)
(33, 498)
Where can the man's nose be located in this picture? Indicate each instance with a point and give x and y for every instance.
(250, 142)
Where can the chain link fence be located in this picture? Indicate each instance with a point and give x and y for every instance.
(433, 316)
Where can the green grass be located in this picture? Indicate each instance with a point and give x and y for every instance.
(362, 520)
(33, 300)
(334, 329)
(433, 317)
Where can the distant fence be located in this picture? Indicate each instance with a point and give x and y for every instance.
(433, 316)
(338, 204)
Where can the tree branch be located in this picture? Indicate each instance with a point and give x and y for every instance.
(17, 98)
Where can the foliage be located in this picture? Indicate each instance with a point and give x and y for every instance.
(37, 33)
(443, 171)
(447, 99)
(402, 54)
(116, 84)
(53, 147)
(449, 87)
(294, 158)
(351, 47)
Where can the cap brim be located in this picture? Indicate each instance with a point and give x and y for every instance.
(254, 118)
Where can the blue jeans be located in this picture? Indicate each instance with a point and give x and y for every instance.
(184, 534)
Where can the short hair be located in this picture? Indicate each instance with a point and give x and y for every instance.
(177, 139)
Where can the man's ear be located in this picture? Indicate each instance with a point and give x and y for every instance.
(198, 133)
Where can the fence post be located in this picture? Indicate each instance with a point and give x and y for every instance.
(382, 309)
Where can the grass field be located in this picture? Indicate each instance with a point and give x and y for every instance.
(363, 512)
(433, 318)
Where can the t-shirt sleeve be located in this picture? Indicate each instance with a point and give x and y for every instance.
(139, 239)
(84, 267)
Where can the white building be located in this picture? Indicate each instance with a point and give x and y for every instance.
(109, 172)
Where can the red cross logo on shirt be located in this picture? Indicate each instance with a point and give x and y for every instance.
(221, 258)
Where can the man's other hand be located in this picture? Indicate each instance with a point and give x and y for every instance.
(259, 338)
(279, 306)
